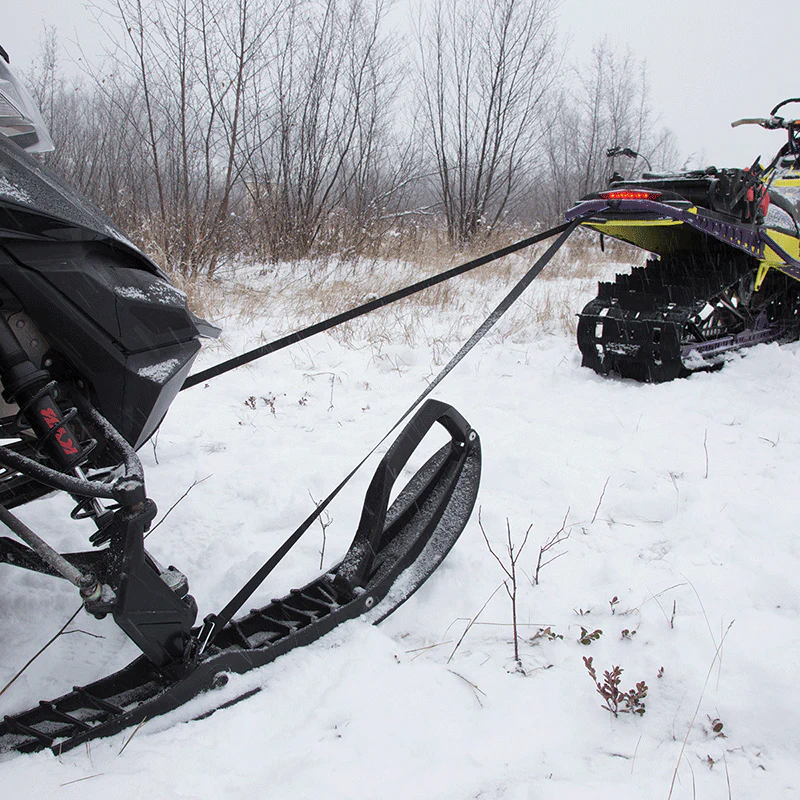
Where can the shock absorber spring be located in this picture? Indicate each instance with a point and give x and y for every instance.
(34, 392)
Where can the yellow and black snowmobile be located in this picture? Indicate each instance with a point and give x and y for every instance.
(724, 271)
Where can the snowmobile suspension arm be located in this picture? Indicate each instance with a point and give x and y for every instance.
(45, 552)
(366, 308)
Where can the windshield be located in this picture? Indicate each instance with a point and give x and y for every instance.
(20, 119)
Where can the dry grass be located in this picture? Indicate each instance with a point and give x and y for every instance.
(292, 295)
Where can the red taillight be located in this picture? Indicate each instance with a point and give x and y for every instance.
(630, 194)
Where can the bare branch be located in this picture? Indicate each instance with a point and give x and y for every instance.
(173, 506)
(600, 501)
(40, 651)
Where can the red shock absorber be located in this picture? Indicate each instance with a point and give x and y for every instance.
(33, 391)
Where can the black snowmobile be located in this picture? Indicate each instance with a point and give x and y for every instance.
(95, 343)
(725, 269)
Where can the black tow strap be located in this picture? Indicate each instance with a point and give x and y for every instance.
(358, 311)
(215, 622)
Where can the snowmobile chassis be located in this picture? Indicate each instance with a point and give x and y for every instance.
(626, 329)
(621, 330)
(727, 271)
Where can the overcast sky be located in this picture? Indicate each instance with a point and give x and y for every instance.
(709, 61)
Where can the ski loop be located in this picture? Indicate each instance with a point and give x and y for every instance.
(213, 623)
(366, 308)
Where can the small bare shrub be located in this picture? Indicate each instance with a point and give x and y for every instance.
(510, 570)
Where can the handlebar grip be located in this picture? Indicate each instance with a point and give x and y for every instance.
(748, 121)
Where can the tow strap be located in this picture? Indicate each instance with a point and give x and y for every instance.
(215, 622)
(372, 305)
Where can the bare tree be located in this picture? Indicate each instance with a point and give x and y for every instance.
(181, 85)
(218, 127)
(285, 129)
(322, 136)
(606, 108)
(485, 70)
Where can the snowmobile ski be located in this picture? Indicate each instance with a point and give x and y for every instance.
(396, 548)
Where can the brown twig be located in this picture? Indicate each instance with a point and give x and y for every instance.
(170, 509)
(600, 501)
(472, 622)
(475, 687)
(78, 780)
(324, 524)
(727, 775)
(418, 651)
(85, 633)
(128, 740)
(154, 442)
(41, 650)
(555, 539)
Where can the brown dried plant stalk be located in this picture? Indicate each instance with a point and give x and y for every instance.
(510, 570)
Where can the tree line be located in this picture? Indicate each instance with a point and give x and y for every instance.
(287, 129)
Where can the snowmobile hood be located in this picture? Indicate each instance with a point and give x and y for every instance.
(35, 202)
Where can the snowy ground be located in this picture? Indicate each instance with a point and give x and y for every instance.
(679, 504)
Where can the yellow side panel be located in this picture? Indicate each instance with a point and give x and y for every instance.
(657, 236)
(791, 244)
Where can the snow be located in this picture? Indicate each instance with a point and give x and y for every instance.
(13, 193)
(155, 291)
(160, 373)
(679, 502)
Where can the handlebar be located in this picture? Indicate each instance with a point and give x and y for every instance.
(773, 122)
(784, 103)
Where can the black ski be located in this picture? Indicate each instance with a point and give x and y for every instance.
(397, 547)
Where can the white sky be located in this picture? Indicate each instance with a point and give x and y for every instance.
(709, 61)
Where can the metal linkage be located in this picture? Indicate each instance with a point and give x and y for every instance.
(88, 584)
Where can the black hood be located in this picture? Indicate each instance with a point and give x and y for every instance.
(35, 202)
